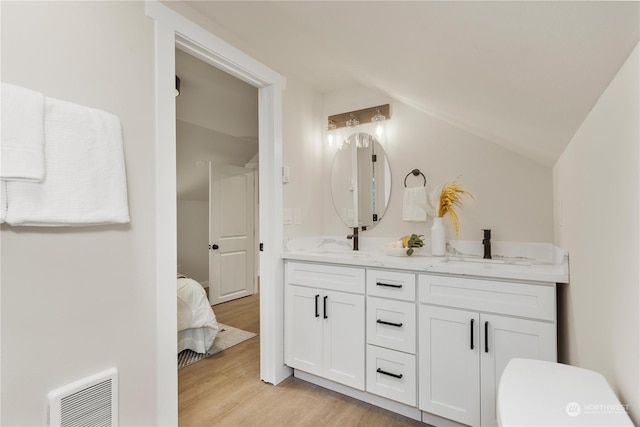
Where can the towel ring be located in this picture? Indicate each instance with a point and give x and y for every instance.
(415, 172)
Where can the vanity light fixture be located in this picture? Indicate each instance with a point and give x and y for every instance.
(351, 120)
(177, 85)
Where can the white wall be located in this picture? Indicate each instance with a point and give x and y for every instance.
(193, 239)
(302, 153)
(596, 191)
(513, 195)
(76, 301)
(195, 143)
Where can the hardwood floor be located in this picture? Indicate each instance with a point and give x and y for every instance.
(225, 389)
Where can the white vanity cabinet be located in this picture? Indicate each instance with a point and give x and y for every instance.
(391, 335)
(324, 321)
(469, 329)
(425, 343)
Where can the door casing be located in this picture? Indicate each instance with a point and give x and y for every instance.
(174, 30)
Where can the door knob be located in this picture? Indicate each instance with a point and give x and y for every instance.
(214, 247)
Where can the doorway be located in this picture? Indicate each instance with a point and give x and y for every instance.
(216, 137)
(172, 29)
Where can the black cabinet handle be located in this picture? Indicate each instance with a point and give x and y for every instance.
(384, 322)
(214, 247)
(380, 371)
(389, 285)
(324, 306)
(317, 313)
(486, 337)
(472, 320)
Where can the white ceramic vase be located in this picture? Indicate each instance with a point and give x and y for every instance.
(438, 238)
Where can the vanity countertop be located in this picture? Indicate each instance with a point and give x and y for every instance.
(538, 262)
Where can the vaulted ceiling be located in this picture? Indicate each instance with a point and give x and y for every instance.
(523, 74)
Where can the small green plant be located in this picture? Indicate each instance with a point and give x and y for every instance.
(412, 241)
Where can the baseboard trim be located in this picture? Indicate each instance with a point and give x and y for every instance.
(437, 421)
(389, 405)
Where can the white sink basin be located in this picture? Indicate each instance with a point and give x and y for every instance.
(346, 252)
(483, 261)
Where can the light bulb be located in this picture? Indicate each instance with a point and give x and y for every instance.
(378, 121)
(332, 130)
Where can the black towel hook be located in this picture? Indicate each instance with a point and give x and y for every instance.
(415, 172)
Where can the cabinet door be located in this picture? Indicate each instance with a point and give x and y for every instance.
(303, 329)
(449, 366)
(504, 338)
(344, 338)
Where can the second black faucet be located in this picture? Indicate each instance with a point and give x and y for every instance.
(486, 242)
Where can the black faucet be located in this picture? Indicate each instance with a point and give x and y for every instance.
(486, 242)
(354, 236)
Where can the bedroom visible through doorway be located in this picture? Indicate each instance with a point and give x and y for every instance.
(217, 206)
(216, 179)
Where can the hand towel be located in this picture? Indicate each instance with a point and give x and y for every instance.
(414, 205)
(85, 183)
(22, 134)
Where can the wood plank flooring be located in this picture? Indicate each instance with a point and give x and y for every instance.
(225, 389)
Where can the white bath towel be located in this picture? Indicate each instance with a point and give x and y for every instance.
(414, 205)
(85, 183)
(22, 134)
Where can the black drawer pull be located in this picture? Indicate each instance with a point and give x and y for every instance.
(486, 337)
(324, 306)
(317, 313)
(380, 371)
(399, 325)
(472, 334)
(389, 285)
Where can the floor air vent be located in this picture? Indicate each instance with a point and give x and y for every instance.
(91, 401)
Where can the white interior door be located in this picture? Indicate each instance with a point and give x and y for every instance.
(232, 248)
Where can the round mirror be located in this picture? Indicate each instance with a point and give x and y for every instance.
(360, 181)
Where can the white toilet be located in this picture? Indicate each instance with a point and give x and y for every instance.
(538, 393)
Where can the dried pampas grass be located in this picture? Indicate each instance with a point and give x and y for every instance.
(444, 200)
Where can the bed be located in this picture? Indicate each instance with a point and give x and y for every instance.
(197, 324)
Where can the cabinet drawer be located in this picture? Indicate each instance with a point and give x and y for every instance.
(332, 277)
(391, 374)
(391, 324)
(391, 284)
(516, 299)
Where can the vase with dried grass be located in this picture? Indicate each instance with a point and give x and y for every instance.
(443, 201)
